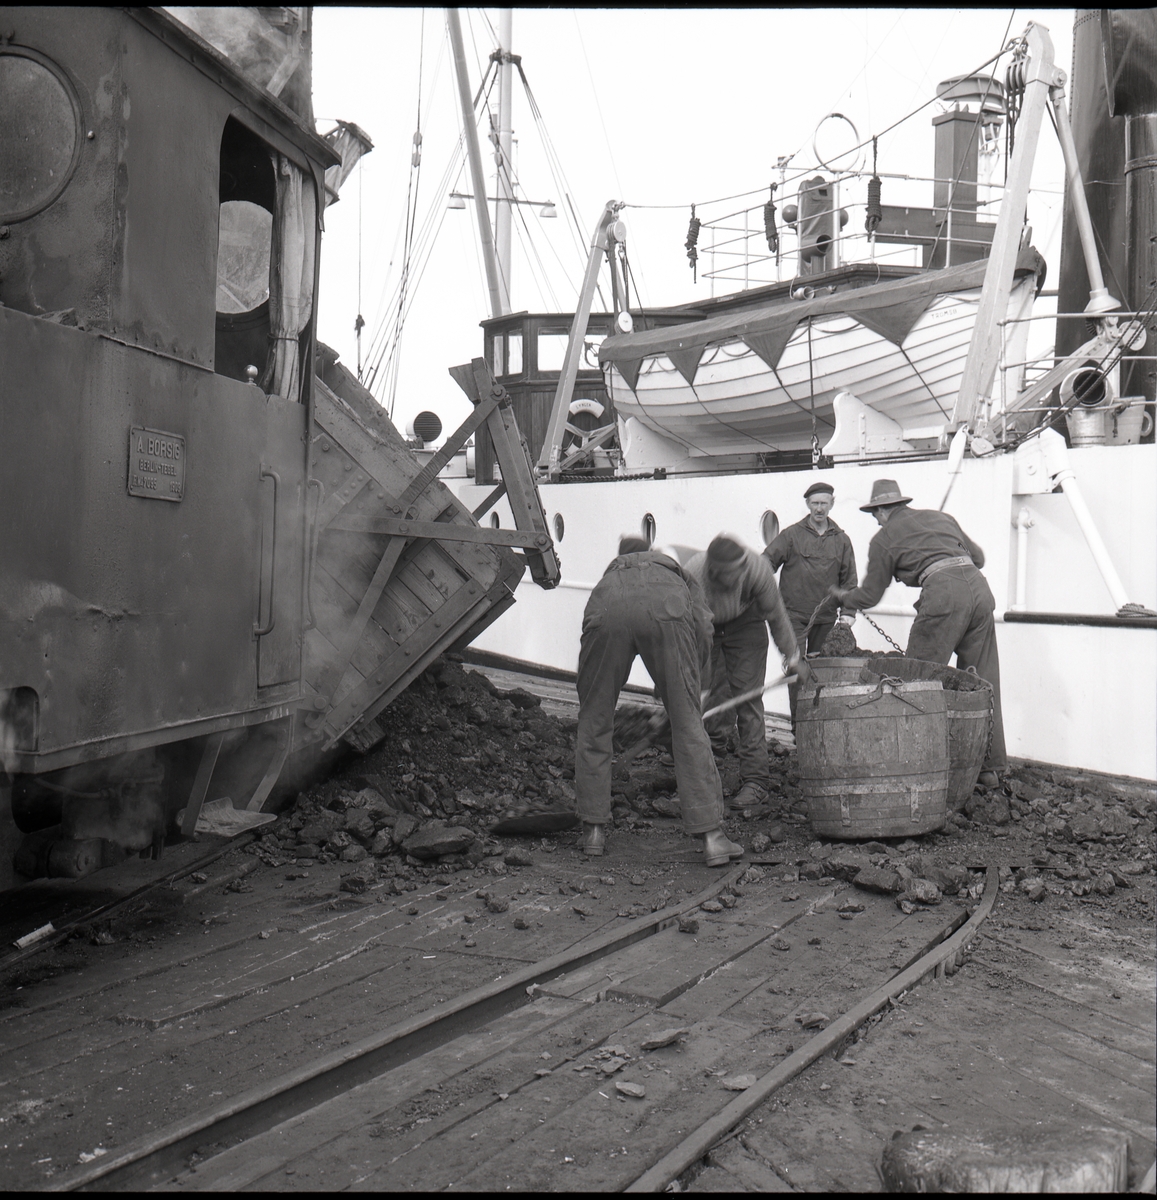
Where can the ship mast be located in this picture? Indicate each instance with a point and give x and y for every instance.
(504, 192)
(499, 301)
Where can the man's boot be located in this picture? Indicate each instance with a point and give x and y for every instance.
(718, 849)
(593, 840)
(750, 795)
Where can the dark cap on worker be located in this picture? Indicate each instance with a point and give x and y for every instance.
(632, 544)
(819, 487)
(885, 492)
(724, 548)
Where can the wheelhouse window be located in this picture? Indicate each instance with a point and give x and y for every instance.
(507, 353)
(552, 350)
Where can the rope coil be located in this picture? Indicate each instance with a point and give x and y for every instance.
(689, 244)
(875, 211)
(769, 229)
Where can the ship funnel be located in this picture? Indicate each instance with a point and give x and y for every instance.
(966, 157)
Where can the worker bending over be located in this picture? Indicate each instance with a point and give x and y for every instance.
(645, 604)
(740, 590)
(954, 615)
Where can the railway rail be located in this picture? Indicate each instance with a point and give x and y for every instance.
(247, 1139)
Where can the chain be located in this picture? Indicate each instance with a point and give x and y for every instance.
(818, 609)
(880, 632)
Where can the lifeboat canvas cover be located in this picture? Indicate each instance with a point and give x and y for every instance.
(765, 377)
(889, 309)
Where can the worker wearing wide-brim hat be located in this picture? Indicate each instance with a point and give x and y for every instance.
(954, 614)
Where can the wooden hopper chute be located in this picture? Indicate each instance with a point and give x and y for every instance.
(401, 569)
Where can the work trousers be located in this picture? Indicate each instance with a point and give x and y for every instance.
(738, 664)
(954, 615)
(642, 609)
(817, 635)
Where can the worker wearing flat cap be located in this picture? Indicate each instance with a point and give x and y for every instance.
(813, 555)
(740, 589)
(954, 614)
(646, 605)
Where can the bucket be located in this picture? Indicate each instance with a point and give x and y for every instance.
(1086, 426)
(873, 758)
(969, 704)
(1128, 423)
(836, 670)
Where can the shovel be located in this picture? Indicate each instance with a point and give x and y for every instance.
(659, 723)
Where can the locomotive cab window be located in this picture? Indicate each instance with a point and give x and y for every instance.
(266, 242)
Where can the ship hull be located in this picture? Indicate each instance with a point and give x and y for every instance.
(1079, 695)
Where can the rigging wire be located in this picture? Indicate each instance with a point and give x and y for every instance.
(598, 106)
(359, 321)
(530, 250)
(558, 174)
(382, 343)
(412, 188)
(385, 348)
(851, 150)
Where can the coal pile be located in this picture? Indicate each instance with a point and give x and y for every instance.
(459, 754)
(462, 755)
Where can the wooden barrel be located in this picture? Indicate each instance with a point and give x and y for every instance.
(969, 701)
(873, 759)
(836, 670)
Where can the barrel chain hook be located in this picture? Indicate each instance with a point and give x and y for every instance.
(894, 685)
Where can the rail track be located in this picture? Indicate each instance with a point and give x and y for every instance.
(191, 859)
(619, 984)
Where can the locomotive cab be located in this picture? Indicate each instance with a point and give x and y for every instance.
(159, 240)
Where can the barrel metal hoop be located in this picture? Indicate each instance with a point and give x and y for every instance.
(865, 787)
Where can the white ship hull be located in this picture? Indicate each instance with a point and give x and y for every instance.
(1076, 695)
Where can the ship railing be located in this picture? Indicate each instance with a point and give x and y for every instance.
(737, 252)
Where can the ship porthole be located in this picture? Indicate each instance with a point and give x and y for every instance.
(559, 527)
(495, 523)
(769, 527)
(647, 529)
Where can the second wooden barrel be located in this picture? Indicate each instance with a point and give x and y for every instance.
(969, 700)
(873, 758)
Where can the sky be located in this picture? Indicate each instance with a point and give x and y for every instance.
(657, 108)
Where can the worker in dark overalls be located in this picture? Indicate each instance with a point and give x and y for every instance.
(954, 615)
(815, 554)
(645, 605)
(739, 587)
